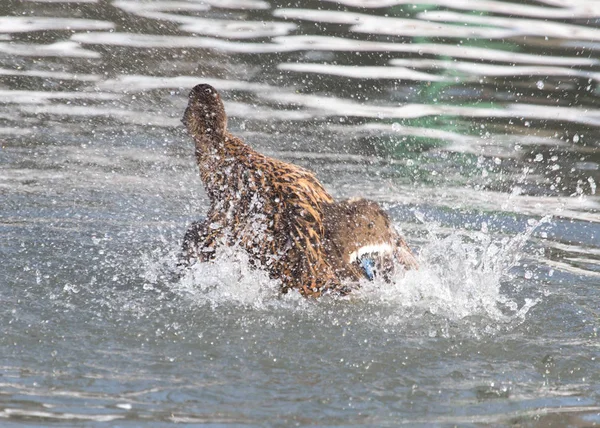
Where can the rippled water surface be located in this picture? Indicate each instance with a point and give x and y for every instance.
(475, 123)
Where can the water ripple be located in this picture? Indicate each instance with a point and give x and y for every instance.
(232, 29)
(527, 27)
(159, 41)
(20, 24)
(58, 49)
(565, 10)
(137, 83)
(328, 43)
(342, 107)
(365, 72)
(479, 69)
(468, 120)
(60, 75)
(363, 23)
(41, 97)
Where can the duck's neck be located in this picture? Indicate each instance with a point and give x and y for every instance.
(216, 154)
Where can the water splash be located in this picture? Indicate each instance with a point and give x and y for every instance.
(228, 280)
(462, 277)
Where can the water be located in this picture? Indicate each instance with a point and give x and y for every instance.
(474, 123)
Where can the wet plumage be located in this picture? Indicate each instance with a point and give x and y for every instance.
(273, 209)
(358, 230)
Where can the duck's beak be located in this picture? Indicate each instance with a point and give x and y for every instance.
(368, 266)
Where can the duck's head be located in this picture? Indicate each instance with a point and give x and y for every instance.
(361, 242)
(205, 113)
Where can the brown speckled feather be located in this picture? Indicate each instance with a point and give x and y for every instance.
(271, 208)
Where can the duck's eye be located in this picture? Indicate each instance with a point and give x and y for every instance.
(371, 225)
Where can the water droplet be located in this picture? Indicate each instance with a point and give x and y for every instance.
(592, 185)
(71, 288)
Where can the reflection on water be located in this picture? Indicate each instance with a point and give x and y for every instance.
(469, 120)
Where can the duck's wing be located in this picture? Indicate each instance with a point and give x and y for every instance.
(305, 265)
(200, 240)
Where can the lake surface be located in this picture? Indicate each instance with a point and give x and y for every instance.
(476, 124)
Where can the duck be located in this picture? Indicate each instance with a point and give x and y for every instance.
(361, 242)
(280, 213)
